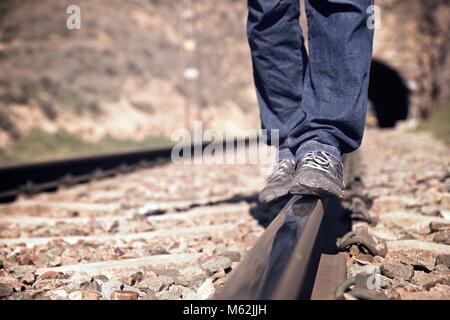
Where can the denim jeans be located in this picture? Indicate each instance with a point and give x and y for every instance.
(317, 101)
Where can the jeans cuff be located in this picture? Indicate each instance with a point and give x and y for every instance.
(311, 146)
(285, 153)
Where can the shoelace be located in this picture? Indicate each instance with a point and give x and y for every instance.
(281, 170)
(317, 160)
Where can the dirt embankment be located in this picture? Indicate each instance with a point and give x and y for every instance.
(121, 75)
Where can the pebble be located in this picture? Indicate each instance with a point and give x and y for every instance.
(439, 226)
(21, 271)
(124, 295)
(110, 286)
(206, 290)
(5, 290)
(431, 211)
(443, 259)
(215, 264)
(92, 285)
(157, 283)
(28, 278)
(131, 277)
(51, 275)
(442, 237)
(397, 270)
(420, 254)
(12, 282)
(445, 201)
(48, 284)
(168, 295)
(22, 295)
(149, 296)
(442, 269)
(234, 256)
(429, 280)
(80, 277)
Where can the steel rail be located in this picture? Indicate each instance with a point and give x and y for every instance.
(48, 175)
(276, 266)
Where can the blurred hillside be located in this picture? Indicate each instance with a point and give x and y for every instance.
(121, 75)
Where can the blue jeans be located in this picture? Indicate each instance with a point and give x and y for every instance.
(317, 101)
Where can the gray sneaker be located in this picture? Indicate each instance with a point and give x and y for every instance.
(279, 182)
(318, 174)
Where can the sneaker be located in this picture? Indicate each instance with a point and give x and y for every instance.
(278, 184)
(319, 174)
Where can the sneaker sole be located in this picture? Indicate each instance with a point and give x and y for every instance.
(313, 187)
(303, 189)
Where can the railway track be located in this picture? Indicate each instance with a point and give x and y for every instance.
(168, 232)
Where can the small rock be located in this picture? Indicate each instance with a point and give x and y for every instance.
(100, 278)
(443, 259)
(110, 286)
(29, 278)
(215, 264)
(439, 292)
(431, 211)
(92, 285)
(355, 269)
(22, 295)
(149, 296)
(385, 282)
(439, 226)
(382, 233)
(43, 295)
(397, 270)
(91, 295)
(12, 282)
(168, 295)
(429, 280)
(234, 256)
(49, 284)
(417, 253)
(445, 201)
(393, 203)
(442, 237)
(51, 275)
(124, 295)
(80, 277)
(59, 294)
(168, 272)
(206, 290)
(188, 281)
(131, 277)
(156, 284)
(190, 276)
(445, 214)
(218, 275)
(192, 272)
(5, 290)
(21, 271)
(76, 295)
(442, 269)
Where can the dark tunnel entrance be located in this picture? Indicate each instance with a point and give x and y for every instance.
(389, 94)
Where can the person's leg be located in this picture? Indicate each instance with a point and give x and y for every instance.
(335, 94)
(336, 85)
(279, 64)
